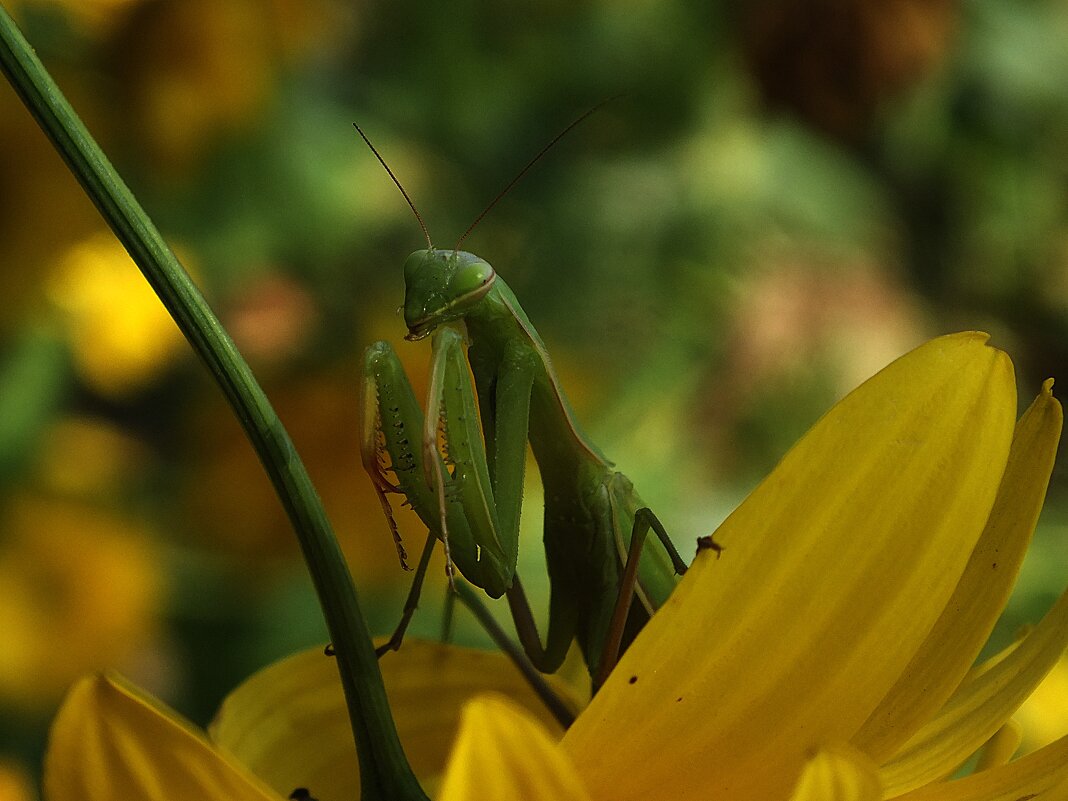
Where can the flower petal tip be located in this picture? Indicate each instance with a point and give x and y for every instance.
(964, 346)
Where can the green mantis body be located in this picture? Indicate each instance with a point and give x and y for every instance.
(461, 467)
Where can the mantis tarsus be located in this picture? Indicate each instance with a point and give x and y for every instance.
(461, 466)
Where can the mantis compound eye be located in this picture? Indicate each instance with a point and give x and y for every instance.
(472, 277)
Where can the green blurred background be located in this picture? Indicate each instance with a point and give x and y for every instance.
(787, 196)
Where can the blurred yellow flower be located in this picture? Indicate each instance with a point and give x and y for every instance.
(93, 14)
(1044, 715)
(195, 71)
(14, 783)
(827, 653)
(247, 521)
(81, 590)
(121, 335)
(83, 457)
(197, 68)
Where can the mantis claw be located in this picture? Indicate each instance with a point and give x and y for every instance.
(402, 554)
(372, 454)
(382, 486)
(393, 644)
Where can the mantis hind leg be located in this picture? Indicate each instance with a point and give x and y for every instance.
(644, 521)
(564, 716)
(563, 624)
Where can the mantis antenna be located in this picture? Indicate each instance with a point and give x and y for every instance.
(415, 211)
(523, 171)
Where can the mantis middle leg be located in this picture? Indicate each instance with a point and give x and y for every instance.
(644, 521)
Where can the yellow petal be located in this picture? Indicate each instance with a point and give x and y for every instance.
(1044, 715)
(289, 724)
(109, 742)
(960, 633)
(838, 774)
(992, 662)
(980, 706)
(504, 754)
(832, 573)
(1044, 770)
(1000, 748)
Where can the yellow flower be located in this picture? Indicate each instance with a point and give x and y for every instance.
(121, 335)
(286, 727)
(82, 589)
(1044, 716)
(14, 782)
(858, 583)
(94, 14)
(826, 654)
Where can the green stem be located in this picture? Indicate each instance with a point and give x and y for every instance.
(384, 770)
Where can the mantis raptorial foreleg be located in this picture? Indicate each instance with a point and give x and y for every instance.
(392, 427)
(504, 394)
(455, 491)
(451, 410)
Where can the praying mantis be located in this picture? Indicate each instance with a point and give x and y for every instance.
(460, 466)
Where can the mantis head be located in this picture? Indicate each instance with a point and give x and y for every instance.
(444, 285)
(440, 286)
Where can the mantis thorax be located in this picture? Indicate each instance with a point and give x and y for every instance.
(440, 286)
